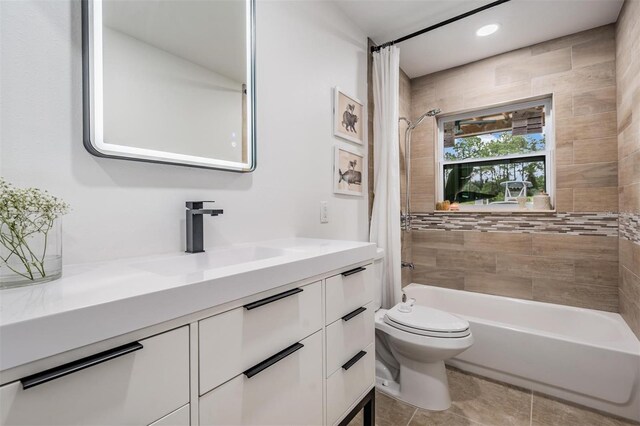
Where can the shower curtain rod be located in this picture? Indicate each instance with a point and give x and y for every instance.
(438, 25)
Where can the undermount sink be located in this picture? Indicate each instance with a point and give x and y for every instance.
(216, 258)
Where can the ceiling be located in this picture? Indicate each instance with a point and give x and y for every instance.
(522, 23)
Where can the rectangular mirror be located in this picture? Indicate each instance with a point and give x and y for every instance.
(170, 81)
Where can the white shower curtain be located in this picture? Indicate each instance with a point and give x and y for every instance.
(385, 219)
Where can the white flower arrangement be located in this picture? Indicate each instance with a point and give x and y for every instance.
(25, 213)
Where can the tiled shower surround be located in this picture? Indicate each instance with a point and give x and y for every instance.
(568, 257)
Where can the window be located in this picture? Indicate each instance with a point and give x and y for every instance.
(493, 156)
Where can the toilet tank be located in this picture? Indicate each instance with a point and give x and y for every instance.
(377, 276)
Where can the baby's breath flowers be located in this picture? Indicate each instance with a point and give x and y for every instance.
(25, 213)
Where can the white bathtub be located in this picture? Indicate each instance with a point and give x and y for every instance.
(582, 355)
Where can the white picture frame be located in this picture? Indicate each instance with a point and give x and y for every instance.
(349, 168)
(348, 117)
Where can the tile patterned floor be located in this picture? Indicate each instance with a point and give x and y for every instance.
(482, 402)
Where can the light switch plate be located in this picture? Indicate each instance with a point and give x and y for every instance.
(324, 212)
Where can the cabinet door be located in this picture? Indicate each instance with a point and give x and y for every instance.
(136, 388)
(348, 291)
(348, 336)
(288, 392)
(349, 383)
(235, 340)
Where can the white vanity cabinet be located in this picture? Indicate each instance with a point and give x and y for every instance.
(144, 382)
(301, 353)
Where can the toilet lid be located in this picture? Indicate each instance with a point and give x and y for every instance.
(427, 321)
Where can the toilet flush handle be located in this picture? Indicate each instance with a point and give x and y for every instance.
(407, 306)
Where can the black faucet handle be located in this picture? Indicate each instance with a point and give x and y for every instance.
(196, 204)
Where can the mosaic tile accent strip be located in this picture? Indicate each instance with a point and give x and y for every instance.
(594, 224)
(630, 227)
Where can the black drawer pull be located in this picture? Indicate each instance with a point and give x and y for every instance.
(353, 271)
(81, 364)
(272, 360)
(353, 360)
(272, 299)
(353, 314)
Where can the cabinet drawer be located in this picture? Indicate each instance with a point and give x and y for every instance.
(345, 386)
(288, 392)
(138, 387)
(348, 336)
(238, 339)
(180, 417)
(348, 291)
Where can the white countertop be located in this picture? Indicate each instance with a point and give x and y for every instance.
(98, 301)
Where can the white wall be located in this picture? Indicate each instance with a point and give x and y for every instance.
(123, 208)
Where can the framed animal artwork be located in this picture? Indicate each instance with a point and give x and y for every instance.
(348, 117)
(348, 176)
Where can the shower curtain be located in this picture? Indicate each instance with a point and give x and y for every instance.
(385, 218)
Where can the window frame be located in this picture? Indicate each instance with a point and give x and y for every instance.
(548, 153)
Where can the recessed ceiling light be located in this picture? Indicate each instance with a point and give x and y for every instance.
(487, 30)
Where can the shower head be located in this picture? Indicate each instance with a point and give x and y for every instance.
(419, 120)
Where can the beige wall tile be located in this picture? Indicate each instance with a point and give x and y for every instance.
(439, 277)
(600, 272)
(466, 260)
(587, 175)
(564, 153)
(439, 239)
(630, 284)
(424, 256)
(630, 169)
(629, 255)
(606, 32)
(592, 126)
(585, 78)
(578, 247)
(593, 52)
(535, 266)
(564, 200)
(594, 101)
(629, 198)
(630, 311)
(595, 199)
(501, 285)
(551, 62)
(553, 290)
(498, 242)
(595, 150)
(480, 97)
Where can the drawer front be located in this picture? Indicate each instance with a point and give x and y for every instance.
(348, 291)
(344, 387)
(180, 417)
(136, 388)
(238, 339)
(348, 336)
(288, 392)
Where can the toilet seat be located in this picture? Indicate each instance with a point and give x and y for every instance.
(429, 322)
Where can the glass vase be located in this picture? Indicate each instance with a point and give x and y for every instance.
(31, 259)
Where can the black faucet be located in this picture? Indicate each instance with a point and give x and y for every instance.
(195, 227)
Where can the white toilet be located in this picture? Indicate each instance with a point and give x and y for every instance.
(412, 344)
